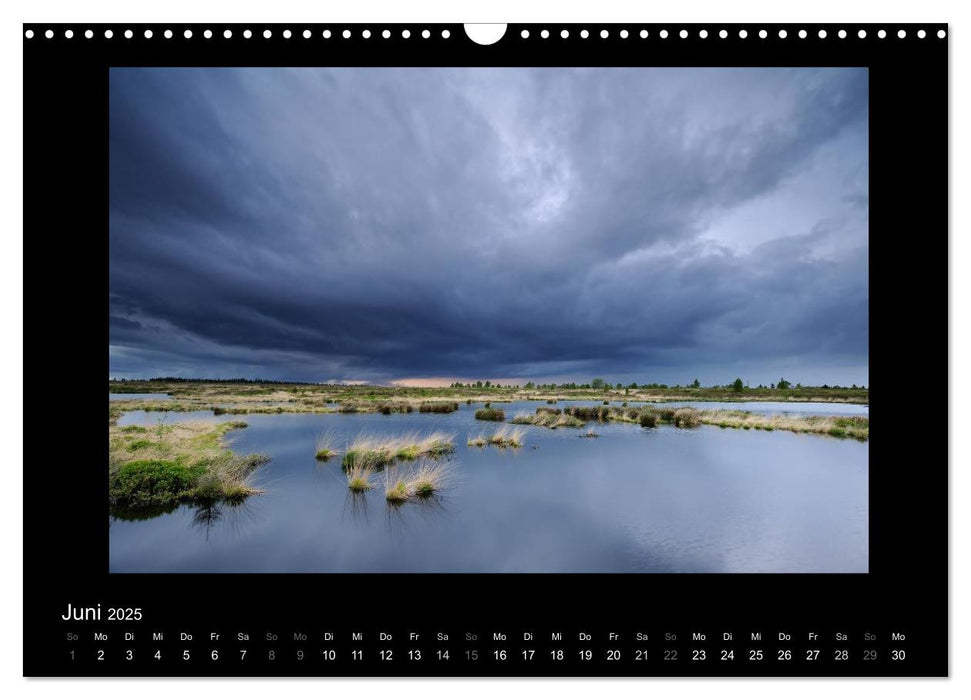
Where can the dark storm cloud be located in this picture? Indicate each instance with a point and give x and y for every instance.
(381, 224)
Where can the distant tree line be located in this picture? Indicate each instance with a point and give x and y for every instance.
(600, 383)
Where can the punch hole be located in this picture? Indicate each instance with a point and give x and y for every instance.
(426, 34)
(187, 33)
(29, 34)
(483, 34)
(168, 34)
(69, 34)
(703, 34)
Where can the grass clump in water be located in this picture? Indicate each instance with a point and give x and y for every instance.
(547, 419)
(380, 452)
(586, 413)
(495, 414)
(438, 407)
(359, 478)
(686, 418)
(589, 434)
(324, 447)
(507, 437)
(648, 419)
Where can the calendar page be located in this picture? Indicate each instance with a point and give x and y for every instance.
(486, 350)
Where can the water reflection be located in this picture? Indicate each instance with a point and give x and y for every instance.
(635, 500)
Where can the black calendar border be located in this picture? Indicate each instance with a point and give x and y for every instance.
(65, 203)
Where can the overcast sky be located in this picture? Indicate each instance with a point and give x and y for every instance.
(392, 225)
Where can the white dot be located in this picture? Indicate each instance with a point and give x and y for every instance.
(604, 33)
(366, 33)
(902, 34)
(723, 34)
(703, 33)
(287, 33)
(584, 34)
(822, 33)
(446, 34)
(624, 34)
(564, 34)
(882, 34)
(49, 34)
(386, 34)
(129, 33)
(346, 34)
(69, 34)
(29, 34)
(643, 34)
(168, 34)
(861, 33)
(405, 34)
(247, 33)
(306, 33)
(763, 34)
(109, 33)
(841, 34)
(187, 33)
(921, 34)
(425, 34)
(742, 34)
(664, 34)
(267, 33)
(326, 34)
(941, 34)
(524, 34)
(783, 33)
(227, 34)
(88, 34)
(545, 33)
(148, 33)
(683, 33)
(207, 34)
(802, 34)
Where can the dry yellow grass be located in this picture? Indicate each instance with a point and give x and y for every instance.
(857, 427)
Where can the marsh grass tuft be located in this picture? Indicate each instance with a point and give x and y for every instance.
(381, 452)
(359, 477)
(494, 414)
(438, 407)
(547, 419)
(324, 446)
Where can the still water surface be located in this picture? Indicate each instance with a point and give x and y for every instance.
(632, 500)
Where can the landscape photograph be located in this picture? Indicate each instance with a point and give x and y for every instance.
(488, 320)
